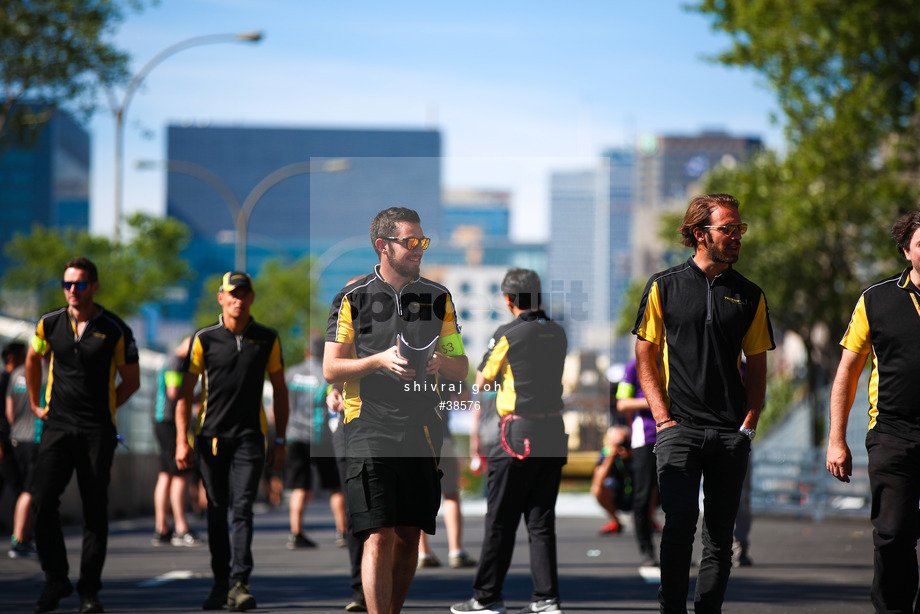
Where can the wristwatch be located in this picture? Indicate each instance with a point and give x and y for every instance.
(749, 432)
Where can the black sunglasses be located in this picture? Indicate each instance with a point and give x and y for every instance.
(76, 285)
(411, 242)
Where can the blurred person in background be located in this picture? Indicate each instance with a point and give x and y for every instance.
(611, 482)
(171, 491)
(18, 466)
(459, 400)
(741, 548)
(13, 355)
(633, 406)
(335, 407)
(310, 445)
(335, 404)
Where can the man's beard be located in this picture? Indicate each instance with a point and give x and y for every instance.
(717, 254)
(402, 269)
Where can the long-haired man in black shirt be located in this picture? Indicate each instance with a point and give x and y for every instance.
(695, 320)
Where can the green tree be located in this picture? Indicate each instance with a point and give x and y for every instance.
(53, 53)
(846, 78)
(130, 275)
(833, 65)
(814, 244)
(286, 300)
(627, 316)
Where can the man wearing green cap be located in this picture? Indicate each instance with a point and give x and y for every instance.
(234, 355)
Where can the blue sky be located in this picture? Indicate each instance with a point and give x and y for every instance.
(518, 89)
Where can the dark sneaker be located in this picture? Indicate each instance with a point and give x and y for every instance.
(217, 598)
(52, 594)
(427, 560)
(544, 606)
(161, 539)
(90, 604)
(461, 559)
(743, 560)
(186, 539)
(473, 605)
(21, 550)
(296, 542)
(239, 599)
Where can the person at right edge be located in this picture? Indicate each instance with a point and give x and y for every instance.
(886, 324)
(525, 470)
(695, 320)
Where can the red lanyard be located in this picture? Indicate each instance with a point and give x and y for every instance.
(507, 446)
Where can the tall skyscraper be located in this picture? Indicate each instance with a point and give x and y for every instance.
(577, 287)
(604, 231)
(620, 167)
(670, 165)
(591, 249)
(46, 180)
(668, 173)
(326, 214)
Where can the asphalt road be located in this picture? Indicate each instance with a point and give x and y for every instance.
(800, 566)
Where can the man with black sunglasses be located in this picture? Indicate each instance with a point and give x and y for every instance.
(391, 423)
(88, 346)
(695, 320)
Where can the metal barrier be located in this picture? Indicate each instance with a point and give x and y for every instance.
(795, 481)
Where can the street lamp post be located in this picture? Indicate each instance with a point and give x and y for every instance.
(241, 212)
(120, 111)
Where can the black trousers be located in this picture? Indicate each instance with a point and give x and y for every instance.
(685, 456)
(355, 544)
(645, 485)
(519, 488)
(63, 451)
(231, 472)
(894, 477)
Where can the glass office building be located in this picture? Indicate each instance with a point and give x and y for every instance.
(309, 190)
(44, 180)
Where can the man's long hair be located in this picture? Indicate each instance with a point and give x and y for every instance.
(699, 213)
